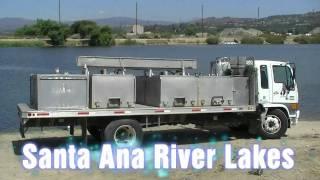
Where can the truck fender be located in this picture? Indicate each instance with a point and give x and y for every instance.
(282, 107)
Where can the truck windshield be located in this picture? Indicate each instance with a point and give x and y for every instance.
(282, 74)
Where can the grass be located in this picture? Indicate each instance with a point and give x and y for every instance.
(157, 41)
(129, 42)
(22, 43)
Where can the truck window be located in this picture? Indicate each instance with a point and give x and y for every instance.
(282, 74)
(264, 77)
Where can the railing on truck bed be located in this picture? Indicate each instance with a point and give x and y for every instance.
(136, 63)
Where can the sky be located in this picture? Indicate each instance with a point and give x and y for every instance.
(167, 10)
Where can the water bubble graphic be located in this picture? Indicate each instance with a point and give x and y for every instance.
(163, 173)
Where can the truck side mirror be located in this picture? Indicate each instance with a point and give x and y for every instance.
(285, 89)
(294, 73)
(289, 85)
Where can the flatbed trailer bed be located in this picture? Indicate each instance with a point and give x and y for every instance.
(25, 112)
(84, 116)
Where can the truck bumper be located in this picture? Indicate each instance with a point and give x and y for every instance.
(294, 118)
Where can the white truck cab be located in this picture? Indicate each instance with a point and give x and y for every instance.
(277, 89)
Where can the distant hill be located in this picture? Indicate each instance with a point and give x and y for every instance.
(300, 23)
(8, 25)
(296, 23)
(123, 21)
(311, 18)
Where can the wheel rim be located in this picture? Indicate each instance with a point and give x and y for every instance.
(125, 135)
(272, 124)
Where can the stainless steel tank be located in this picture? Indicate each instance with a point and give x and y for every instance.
(140, 89)
(241, 90)
(58, 91)
(215, 90)
(170, 91)
(112, 91)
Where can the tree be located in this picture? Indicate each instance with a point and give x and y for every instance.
(190, 31)
(106, 29)
(57, 37)
(94, 38)
(84, 28)
(27, 31)
(57, 32)
(45, 26)
(101, 37)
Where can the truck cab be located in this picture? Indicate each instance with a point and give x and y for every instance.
(277, 89)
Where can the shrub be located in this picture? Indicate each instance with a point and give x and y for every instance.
(252, 40)
(57, 38)
(212, 40)
(166, 35)
(302, 40)
(273, 39)
(145, 36)
(314, 39)
(190, 31)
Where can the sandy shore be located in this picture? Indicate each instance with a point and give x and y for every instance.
(304, 139)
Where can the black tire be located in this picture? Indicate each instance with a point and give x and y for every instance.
(95, 132)
(275, 132)
(132, 126)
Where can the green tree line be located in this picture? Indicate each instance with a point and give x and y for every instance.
(58, 33)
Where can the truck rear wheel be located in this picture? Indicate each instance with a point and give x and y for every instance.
(274, 126)
(124, 132)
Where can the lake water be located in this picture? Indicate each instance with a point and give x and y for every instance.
(16, 64)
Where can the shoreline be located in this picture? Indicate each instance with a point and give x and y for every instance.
(37, 42)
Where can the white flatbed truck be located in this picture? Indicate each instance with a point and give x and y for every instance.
(272, 109)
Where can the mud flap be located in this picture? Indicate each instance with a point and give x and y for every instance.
(254, 124)
(22, 128)
(84, 130)
(72, 128)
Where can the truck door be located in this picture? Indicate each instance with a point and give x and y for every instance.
(284, 89)
(264, 87)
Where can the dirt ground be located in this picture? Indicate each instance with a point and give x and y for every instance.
(304, 139)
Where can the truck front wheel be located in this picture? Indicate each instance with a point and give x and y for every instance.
(125, 132)
(274, 126)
